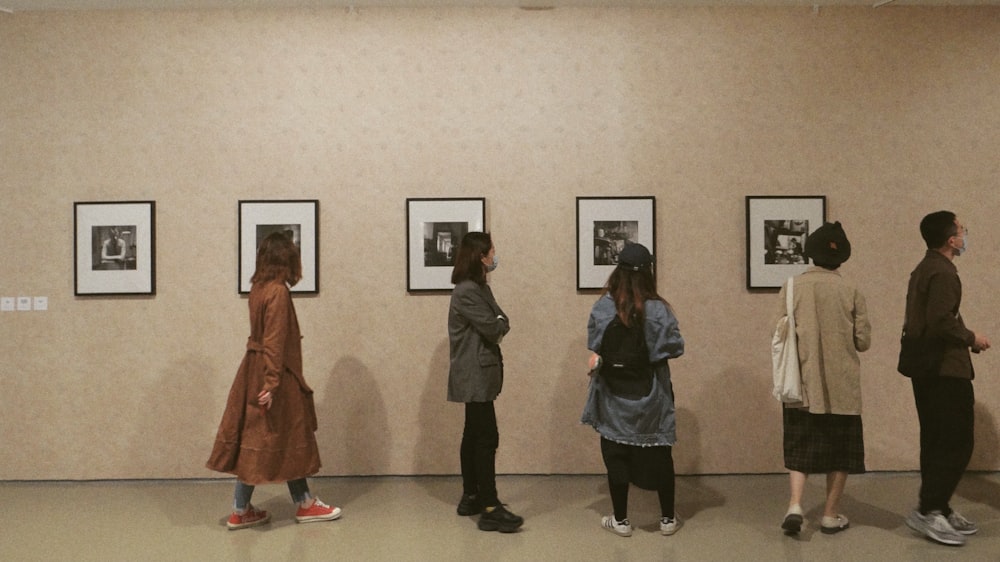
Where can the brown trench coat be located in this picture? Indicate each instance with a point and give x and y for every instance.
(275, 445)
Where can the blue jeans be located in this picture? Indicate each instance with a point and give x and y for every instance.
(299, 489)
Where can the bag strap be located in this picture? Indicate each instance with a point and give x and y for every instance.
(790, 306)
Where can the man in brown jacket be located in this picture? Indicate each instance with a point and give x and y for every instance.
(935, 355)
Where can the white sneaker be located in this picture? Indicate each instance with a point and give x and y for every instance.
(834, 525)
(621, 528)
(935, 527)
(961, 524)
(669, 526)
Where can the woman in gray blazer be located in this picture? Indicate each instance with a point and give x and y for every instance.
(476, 324)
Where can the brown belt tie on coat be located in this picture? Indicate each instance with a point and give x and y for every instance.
(254, 346)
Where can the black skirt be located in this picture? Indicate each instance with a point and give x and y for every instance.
(649, 468)
(823, 443)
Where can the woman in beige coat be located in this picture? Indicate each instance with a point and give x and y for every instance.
(823, 434)
(267, 430)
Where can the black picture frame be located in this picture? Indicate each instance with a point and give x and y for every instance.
(298, 217)
(114, 248)
(603, 226)
(434, 230)
(777, 227)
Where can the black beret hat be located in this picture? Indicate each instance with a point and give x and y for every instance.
(828, 245)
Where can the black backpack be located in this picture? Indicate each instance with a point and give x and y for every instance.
(625, 366)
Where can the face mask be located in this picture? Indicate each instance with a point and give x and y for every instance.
(493, 265)
(965, 246)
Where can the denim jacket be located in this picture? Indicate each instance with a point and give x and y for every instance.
(648, 421)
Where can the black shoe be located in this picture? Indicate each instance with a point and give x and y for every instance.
(499, 519)
(469, 505)
(792, 524)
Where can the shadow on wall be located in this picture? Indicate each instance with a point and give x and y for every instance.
(987, 441)
(744, 421)
(440, 427)
(440, 421)
(169, 436)
(353, 435)
(687, 451)
(974, 487)
(575, 447)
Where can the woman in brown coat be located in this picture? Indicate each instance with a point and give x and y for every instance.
(267, 431)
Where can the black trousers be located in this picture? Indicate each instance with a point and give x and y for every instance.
(947, 420)
(480, 440)
(652, 466)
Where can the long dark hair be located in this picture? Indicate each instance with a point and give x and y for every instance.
(278, 258)
(469, 259)
(630, 290)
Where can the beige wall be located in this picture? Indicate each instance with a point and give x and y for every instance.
(890, 113)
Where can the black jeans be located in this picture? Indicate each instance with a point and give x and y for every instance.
(945, 408)
(480, 440)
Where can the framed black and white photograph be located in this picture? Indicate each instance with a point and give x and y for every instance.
(603, 226)
(777, 229)
(297, 219)
(434, 231)
(114, 248)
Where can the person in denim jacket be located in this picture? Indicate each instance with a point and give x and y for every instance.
(637, 433)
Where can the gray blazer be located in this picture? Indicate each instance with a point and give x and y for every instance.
(476, 324)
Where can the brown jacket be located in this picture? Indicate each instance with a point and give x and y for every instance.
(275, 445)
(933, 297)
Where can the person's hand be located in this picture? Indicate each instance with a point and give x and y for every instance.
(265, 398)
(594, 364)
(982, 343)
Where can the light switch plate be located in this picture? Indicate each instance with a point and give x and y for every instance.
(41, 303)
(24, 303)
(6, 304)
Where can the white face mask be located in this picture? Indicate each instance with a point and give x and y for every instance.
(964, 247)
(494, 264)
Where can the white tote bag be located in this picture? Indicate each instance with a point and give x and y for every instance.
(785, 355)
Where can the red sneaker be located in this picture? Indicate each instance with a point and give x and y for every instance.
(318, 511)
(251, 518)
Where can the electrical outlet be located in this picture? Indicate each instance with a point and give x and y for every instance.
(24, 303)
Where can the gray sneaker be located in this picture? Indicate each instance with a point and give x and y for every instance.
(935, 527)
(961, 524)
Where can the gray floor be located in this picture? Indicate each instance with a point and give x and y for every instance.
(413, 518)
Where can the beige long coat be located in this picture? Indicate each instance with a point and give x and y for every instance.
(275, 445)
(831, 324)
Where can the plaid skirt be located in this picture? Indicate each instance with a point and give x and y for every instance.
(823, 443)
